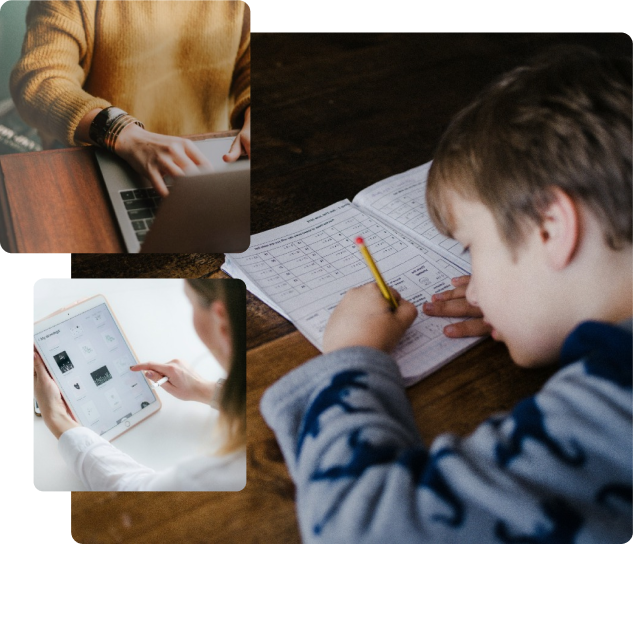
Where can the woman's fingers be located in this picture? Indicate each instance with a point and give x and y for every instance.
(157, 182)
(158, 368)
(196, 155)
(235, 150)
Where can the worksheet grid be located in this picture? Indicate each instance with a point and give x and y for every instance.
(303, 264)
(410, 211)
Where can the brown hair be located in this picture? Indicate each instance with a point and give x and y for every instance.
(232, 403)
(563, 121)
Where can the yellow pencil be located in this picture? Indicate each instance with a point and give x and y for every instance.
(386, 292)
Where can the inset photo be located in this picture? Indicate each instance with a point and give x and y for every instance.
(139, 384)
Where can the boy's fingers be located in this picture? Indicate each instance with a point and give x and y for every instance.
(459, 307)
(458, 281)
(468, 328)
(450, 294)
(406, 312)
(396, 295)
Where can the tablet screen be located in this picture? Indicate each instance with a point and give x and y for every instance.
(91, 360)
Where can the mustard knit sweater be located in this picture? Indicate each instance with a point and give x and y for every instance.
(181, 67)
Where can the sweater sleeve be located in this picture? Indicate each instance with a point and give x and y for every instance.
(101, 466)
(541, 473)
(46, 83)
(240, 89)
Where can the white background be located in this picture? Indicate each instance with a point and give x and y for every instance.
(156, 318)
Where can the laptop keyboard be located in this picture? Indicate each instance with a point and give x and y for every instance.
(141, 207)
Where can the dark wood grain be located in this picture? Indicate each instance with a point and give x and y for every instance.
(333, 114)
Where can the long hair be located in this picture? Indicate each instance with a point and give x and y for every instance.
(231, 293)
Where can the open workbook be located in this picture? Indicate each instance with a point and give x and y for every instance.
(304, 268)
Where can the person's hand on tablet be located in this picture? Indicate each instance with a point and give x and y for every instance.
(183, 382)
(53, 408)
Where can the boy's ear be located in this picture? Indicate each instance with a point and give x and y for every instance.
(560, 230)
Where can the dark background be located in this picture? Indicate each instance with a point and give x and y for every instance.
(334, 113)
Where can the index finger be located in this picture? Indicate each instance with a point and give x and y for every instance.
(196, 155)
(150, 366)
(157, 182)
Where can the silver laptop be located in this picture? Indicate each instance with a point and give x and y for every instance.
(204, 213)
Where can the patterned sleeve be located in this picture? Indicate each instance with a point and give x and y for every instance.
(551, 470)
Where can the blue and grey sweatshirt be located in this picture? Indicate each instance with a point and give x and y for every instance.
(557, 468)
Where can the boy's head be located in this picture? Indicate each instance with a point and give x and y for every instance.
(543, 155)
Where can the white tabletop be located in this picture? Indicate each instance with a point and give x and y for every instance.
(157, 319)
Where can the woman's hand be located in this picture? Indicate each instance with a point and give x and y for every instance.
(365, 318)
(155, 155)
(453, 303)
(56, 415)
(182, 382)
(242, 143)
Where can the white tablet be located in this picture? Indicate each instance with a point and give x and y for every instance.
(88, 355)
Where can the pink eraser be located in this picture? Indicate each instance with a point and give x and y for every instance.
(359, 240)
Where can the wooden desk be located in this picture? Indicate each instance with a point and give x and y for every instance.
(56, 202)
(334, 114)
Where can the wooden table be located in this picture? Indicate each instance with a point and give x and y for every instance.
(333, 114)
(56, 202)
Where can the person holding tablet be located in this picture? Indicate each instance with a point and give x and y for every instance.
(134, 77)
(219, 321)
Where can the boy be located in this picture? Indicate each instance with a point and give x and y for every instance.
(535, 177)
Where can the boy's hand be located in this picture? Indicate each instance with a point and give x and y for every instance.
(365, 318)
(182, 382)
(453, 303)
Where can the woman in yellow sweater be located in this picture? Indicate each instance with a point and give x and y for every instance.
(134, 76)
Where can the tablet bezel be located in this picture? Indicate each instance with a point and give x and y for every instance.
(70, 311)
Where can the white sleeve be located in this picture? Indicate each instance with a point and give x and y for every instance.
(101, 466)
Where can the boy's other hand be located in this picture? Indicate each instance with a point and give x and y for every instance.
(453, 303)
(365, 318)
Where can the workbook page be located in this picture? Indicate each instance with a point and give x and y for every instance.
(400, 201)
(306, 267)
